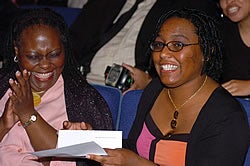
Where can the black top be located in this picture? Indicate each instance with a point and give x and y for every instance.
(220, 133)
(237, 54)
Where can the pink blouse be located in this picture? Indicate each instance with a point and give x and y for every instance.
(15, 147)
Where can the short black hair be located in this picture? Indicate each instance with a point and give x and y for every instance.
(208, 36)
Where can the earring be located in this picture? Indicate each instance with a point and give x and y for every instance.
(221, 15)
(15, 59)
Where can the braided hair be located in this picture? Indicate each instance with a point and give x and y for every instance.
(208, 36)
(40, 16)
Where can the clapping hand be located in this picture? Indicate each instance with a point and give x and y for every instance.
(21, 95)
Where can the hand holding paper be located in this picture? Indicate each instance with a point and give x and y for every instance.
(79, 143)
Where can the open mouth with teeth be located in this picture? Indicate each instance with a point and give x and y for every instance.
(232, 10)
(169, 67)
(42, 76)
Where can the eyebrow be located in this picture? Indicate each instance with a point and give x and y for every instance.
(174, 35)
(37, 53)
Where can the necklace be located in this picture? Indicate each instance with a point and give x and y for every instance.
(173, 122)
(37, 98)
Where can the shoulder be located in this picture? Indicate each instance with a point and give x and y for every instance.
(221, 102)
(222, 107)
(222, 96)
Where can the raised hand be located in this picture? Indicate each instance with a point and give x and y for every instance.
(21, 96)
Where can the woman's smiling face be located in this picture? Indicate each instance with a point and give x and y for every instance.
(41, 52)
(177, 68)
(236, 10)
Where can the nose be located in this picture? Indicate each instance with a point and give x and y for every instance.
(44, 63)
(165, 53)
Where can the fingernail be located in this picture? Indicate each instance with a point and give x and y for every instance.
(65, 123)
(10, 94)
(18, 73)
(11, 81)
(87, 156)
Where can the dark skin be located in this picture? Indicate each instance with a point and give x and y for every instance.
(182, 80)
(180, 72)
(41, 57)
(240, 16)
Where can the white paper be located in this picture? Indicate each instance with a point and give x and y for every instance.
(79, 143)
(73, 151)
(104, 138)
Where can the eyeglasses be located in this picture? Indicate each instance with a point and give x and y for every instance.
(174, 46)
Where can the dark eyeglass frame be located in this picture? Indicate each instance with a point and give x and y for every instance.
(179, 48)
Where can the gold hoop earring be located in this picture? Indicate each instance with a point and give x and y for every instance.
(15, 59)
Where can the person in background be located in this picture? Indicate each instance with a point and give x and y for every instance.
(41, 89)
(185, 117)
(236, 37)
(106, 37)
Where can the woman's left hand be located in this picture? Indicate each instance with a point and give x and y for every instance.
(122, 157)
(67, 125)
(21, 96)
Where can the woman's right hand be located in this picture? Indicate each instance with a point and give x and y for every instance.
(122, 157)
(8, 119)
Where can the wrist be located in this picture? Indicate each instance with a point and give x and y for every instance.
(3, 129)
(146, 162)
(32, 119)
